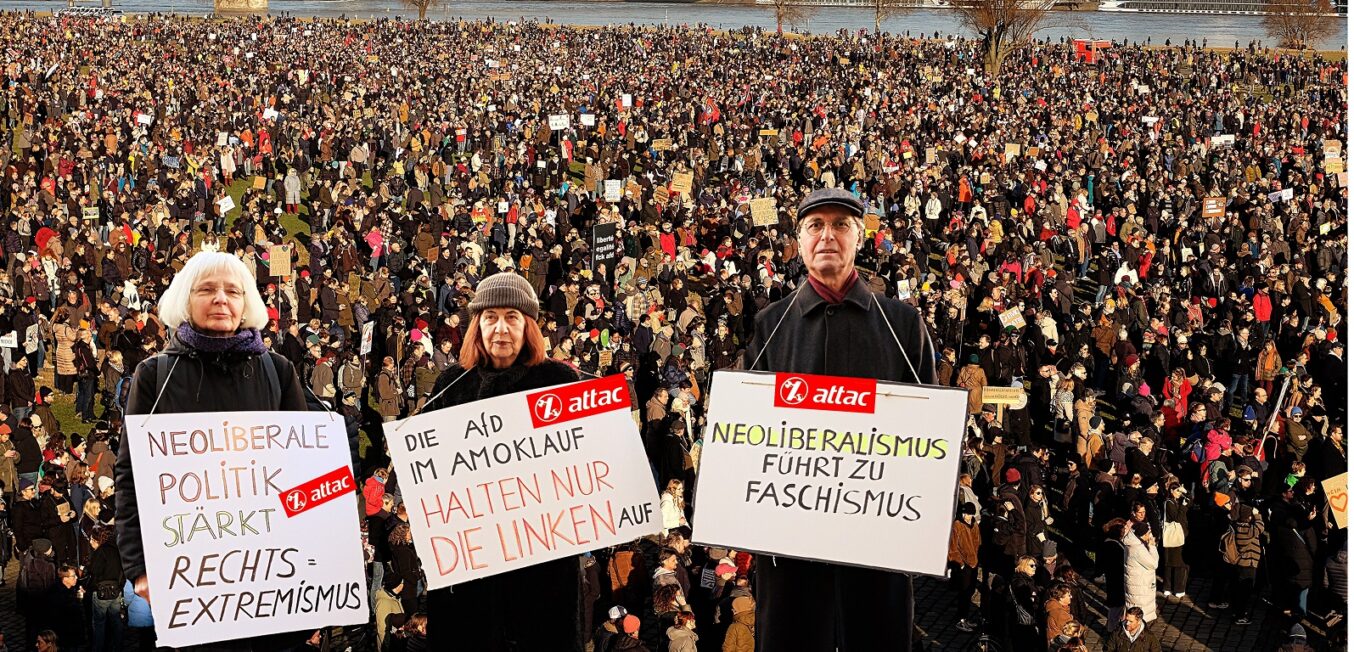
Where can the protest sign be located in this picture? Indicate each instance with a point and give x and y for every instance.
(1342, 179)
(998, 395)
(270, 114)
(1337, 496)
(1012, 318)
(1225, 140)
(825, 468)
(627, 100)
(517, 480)
(1012, 151)
(681, 183)
(768, 133)
(1215, 206)
(1333, 165)
(604, 358)
(230, 509)
(1330, 148)
(661, 144)
(367, 330)
(259, 183)
(279, 260)
(1040, 166)
(587, 119)
(558, 122)
(764, 211)
(605, 245)
(226, 204)
(613, 190)
(90, 212)
(222, 138)
(1281, 195)
(144, 118)
(9, 340)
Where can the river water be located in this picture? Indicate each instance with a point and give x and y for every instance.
(1218, 30)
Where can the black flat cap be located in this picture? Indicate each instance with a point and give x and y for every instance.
(831, 197)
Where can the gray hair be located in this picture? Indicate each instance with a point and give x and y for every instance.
(175, 305)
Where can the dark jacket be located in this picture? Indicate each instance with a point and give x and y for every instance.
(1145, 642)
(849, 339)
(201, 382)
(488, 614)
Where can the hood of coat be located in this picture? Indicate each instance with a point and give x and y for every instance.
(676, 633)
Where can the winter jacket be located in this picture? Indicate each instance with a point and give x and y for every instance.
(1140, 577)
(742, 634)
(1058, 615)
(485, 614)
(1143, 642)
(964, 542)
(208, 383)
(681, 639)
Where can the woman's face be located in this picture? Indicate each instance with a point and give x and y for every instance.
(216, 306)
(501, 332)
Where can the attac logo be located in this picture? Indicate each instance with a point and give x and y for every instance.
(555, 406)
(319, 491)
(836, 393)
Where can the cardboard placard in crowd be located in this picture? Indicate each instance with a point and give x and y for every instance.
(764, 211)
(517, 480)
(1012, 318)
(1215, 206)
(661, 144)
(279, 260)
(613, 190)
(681, 183)
(90, 212)
(559, 121)
(1337, 496)
(825, 468)
(230, 504)
(1331, 148)
(368, 329)
(587, 119)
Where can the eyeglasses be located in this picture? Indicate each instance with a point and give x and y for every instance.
(817, 226)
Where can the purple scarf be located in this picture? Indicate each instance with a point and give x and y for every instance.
(246, 341)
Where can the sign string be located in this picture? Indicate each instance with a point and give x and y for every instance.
(777, 328)
(906, 358)
(162, 391)
(433, 398)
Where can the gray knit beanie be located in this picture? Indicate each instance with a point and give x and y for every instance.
(506, 290)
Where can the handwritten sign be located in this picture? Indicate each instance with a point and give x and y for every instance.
(1003, 395)
(558, 122)
(367, 330)
(587, 119)
(1012, 151)
(613, 190)
(517, 480)
(9, 340)
(764, 211)
(1215, 206)
(279, 260)
(661, 144)
(681, 183)
(1330, 148)
(825, 467)
(1337, 496)
(226, 204)
(90, 212)
(230, 505)
(1012, 318)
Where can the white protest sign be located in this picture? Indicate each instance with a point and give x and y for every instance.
(9, 340)
(226, 203)
(367, 330)
(270, 114)
(247, 524)
(145, 118)
(627, 100)
(827, 468)
(587, 119)
(1012, 318)
(613, 190)
(517, 480)
(558, 122)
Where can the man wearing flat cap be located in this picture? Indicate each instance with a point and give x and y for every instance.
(834, 325)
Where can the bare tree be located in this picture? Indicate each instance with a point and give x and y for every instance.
(421, 5)
(790, 12)
(885, 9)
(1300, 24)
(1002, 25)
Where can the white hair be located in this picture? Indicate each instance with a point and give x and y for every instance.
(175, 304)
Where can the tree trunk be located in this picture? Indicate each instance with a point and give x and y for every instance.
(423, 11)
(780, 19)
(878, 16)
(994, 56)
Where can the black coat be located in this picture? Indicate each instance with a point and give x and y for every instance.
(201, 382)
(849, 339)
(530, 609)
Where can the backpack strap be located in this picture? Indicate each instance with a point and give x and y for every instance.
(274, 385)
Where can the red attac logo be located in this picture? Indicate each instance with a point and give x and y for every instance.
(555, 406)
(836, 393)
(312, 494)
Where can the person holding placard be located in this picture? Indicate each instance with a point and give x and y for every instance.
(215, 361)
(533, 608)
(835, 326)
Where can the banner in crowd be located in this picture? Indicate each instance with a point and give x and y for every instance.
(230, 505)
(517, 480)
(827, 468)
(764, 211)
(1337, 496)
(605, 245)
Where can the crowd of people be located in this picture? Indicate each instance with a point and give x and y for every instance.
(1152, 244)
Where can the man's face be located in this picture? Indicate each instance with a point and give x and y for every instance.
(828, 241)
(1132, 623)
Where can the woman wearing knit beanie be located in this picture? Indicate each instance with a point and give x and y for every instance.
(504, 353)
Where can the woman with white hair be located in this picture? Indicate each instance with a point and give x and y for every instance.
(215, 361)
